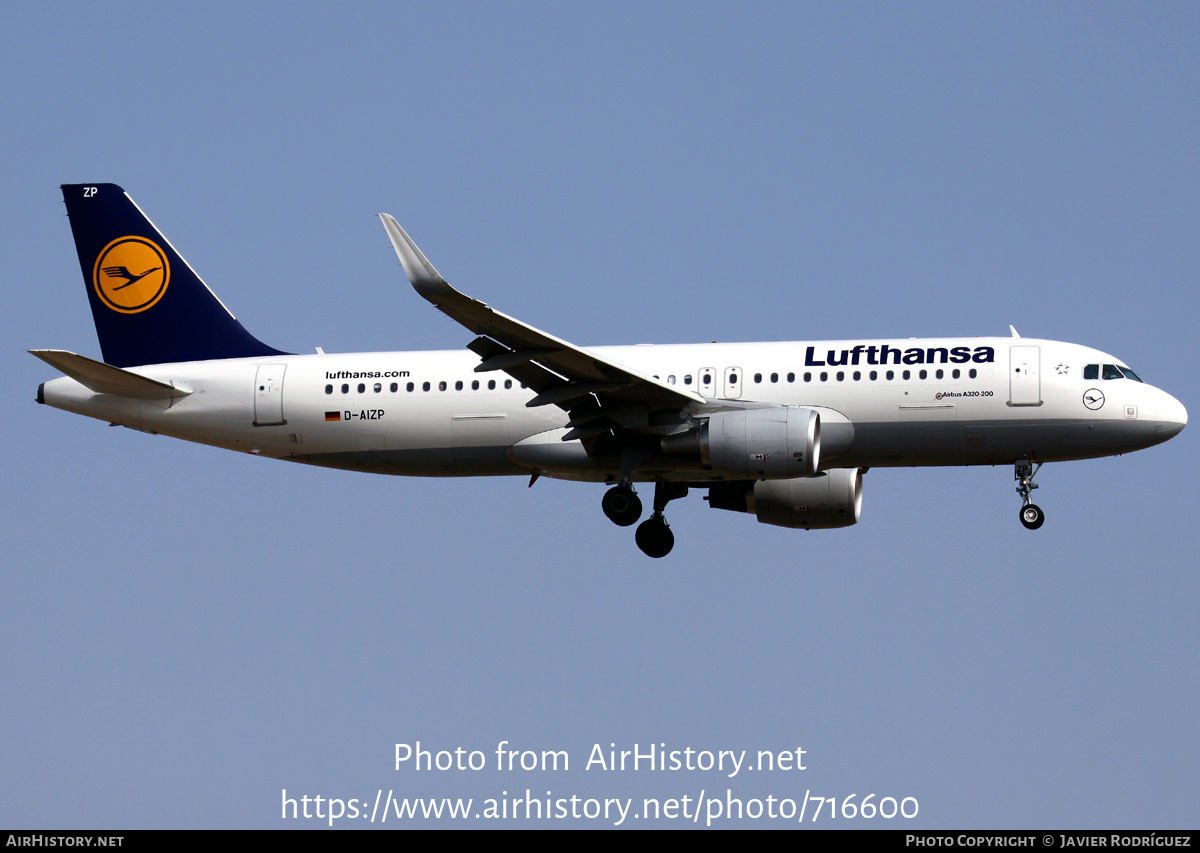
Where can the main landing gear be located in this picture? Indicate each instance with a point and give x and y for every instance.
(623, 507)
(1031, 514)
(654, 536)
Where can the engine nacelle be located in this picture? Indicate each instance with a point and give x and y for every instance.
(774, 443)
(829, 499)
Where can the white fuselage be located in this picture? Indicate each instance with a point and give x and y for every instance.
(954, 401)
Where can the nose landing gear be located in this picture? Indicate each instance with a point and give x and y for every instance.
(1023, 472)
(1032, 516)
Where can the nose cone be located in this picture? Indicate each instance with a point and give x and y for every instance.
(1172, 418)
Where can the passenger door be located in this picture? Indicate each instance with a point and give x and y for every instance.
(268, 395)
(1024, 376)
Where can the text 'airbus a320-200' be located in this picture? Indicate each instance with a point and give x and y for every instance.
(784, 431)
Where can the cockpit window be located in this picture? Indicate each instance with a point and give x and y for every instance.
(1111, 371)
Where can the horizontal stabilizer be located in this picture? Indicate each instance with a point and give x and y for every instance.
(106, 379)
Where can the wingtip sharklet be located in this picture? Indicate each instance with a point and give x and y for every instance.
(421, 274)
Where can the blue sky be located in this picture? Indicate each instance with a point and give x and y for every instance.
(189, 632)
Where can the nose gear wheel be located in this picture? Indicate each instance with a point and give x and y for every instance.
(1023, 472)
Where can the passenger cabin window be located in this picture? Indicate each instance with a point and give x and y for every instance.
(328, 389)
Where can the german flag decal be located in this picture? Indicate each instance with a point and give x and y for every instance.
(333, 416)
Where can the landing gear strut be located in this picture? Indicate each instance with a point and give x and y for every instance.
(1023, 472)
(654, 535)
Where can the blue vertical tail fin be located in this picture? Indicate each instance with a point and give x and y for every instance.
(149, 306)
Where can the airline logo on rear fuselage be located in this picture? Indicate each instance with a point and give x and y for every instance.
(131, 274)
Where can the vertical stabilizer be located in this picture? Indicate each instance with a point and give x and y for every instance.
(149, 306)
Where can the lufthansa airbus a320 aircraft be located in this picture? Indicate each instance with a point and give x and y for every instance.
(783, 431)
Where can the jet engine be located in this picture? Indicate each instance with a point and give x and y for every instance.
(828, 499)
(774, 443)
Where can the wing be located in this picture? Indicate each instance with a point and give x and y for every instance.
(598, 393)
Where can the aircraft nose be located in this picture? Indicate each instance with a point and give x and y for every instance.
(1172, 418)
